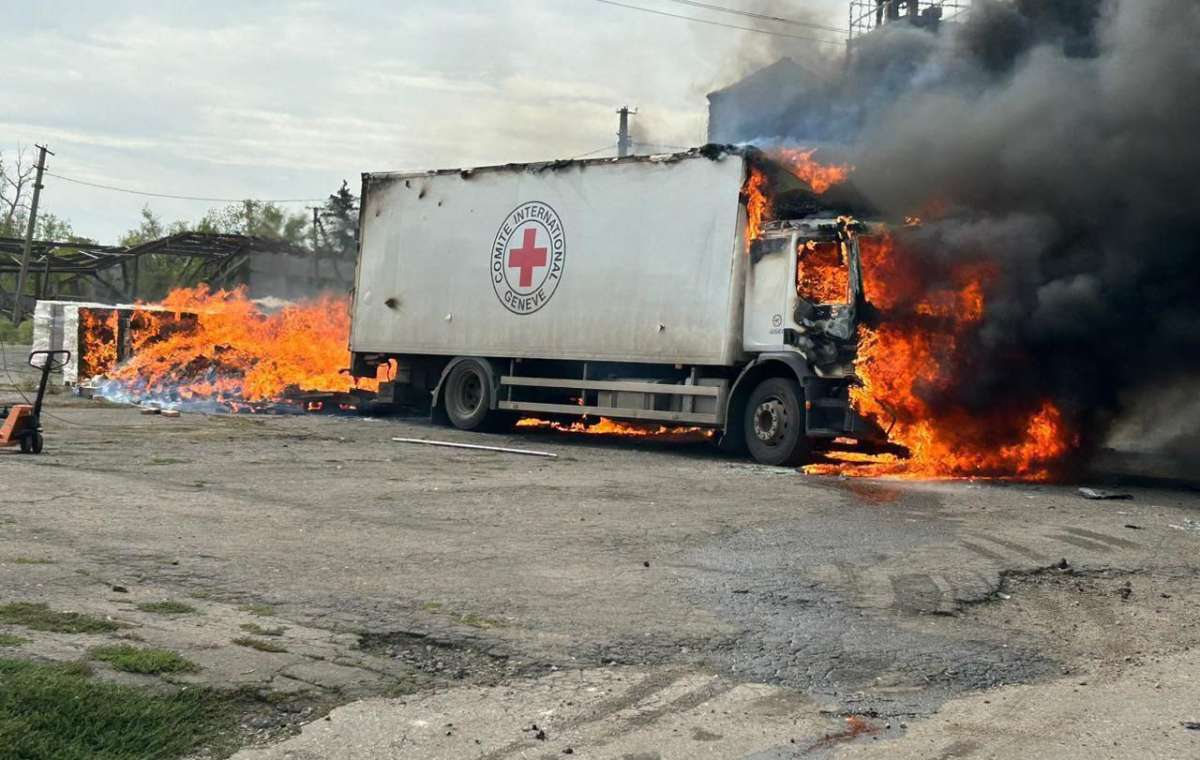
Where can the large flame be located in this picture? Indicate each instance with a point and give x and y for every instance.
(908, 366)
(756, 192)
(199, 345)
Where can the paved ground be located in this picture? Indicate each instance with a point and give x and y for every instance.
(631, 599)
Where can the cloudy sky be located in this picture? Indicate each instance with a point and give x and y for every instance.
(273, 99)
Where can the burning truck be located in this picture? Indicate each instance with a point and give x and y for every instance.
(651, 289)
(723, 292)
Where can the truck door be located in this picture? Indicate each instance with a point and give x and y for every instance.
(768, 293)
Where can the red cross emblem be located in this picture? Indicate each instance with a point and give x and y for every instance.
(527, 257)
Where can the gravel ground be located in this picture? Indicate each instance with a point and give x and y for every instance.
(700, 596)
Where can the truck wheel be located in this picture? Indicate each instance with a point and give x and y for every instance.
(468, 395)
(774, 423)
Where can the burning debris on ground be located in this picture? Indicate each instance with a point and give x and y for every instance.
(222, 352)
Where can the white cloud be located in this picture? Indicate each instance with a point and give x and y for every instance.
(285, 99)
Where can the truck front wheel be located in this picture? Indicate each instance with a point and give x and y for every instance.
(774, 423)
(468, 396)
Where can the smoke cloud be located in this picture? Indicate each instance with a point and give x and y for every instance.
(1059, 140)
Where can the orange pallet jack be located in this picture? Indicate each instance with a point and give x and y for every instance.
(23, 422)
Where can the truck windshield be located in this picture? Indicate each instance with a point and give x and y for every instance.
(822, 276)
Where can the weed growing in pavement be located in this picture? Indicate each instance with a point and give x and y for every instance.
(259, 609)
(143, 660)
(39, 617)
(8, 640)
(167, 607)
(259, 630)
(259, 644)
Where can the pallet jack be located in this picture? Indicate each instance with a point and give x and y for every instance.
(23, 422)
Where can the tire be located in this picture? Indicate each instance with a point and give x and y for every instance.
(774, 423)
(467, 397)
(31, 443)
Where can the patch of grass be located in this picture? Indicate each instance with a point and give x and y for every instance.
(57, 711)
(477, 621)
(39, 617)
(201, 595)
(258, 609)
(259, 630)
(167, 607)
(32, 561)
(144, 660)
(21, 334)
(8, 640)
(431, 606)
(260, 644)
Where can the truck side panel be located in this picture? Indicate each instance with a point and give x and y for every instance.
(640, 261)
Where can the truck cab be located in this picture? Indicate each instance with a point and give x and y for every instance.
(804, 294)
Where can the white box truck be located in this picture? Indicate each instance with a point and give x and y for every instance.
(621, 288)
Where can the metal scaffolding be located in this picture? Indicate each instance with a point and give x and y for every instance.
(868, 15)
(61, 269)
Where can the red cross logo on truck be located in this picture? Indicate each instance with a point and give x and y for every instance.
(528, 257)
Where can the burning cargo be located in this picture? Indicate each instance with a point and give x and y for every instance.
(643, 289)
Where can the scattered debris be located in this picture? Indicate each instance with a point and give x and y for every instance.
(1192, 725)
(120, 590)
(478, 447)
(1131, 526)
(1127, 590)
(171, 413)
(1063, 564)
(1190, 525)
(151, 410)
(646, 563)
(1102, 495)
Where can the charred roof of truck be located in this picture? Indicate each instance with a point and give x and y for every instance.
(712, 152)
(794, 200)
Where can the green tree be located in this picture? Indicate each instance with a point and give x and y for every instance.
(339, 223)
(156, 273)
(255, 218)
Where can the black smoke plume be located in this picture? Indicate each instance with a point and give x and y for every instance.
(1059, 139)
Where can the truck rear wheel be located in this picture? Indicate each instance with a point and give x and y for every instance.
(467, 396)
(774, 423)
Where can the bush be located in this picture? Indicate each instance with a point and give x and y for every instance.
(21, 334)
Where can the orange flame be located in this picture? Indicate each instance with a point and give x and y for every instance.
(821, 274)
(201, 345)
(908, 362)
(98, 341)
(605, 426)
(757, 204)
(820, 177)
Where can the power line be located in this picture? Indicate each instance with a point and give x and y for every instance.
(593, 152)
(661, 145)
(183, 197)
(760, 16)
(839, 43)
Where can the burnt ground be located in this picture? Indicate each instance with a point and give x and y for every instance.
(638, 599)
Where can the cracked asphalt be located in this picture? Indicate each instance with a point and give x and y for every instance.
(633, 599)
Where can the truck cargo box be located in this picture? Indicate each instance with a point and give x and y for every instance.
(627, 260)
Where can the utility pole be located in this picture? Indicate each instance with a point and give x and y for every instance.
(316, 264)
(624, 142)
(17, 312)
